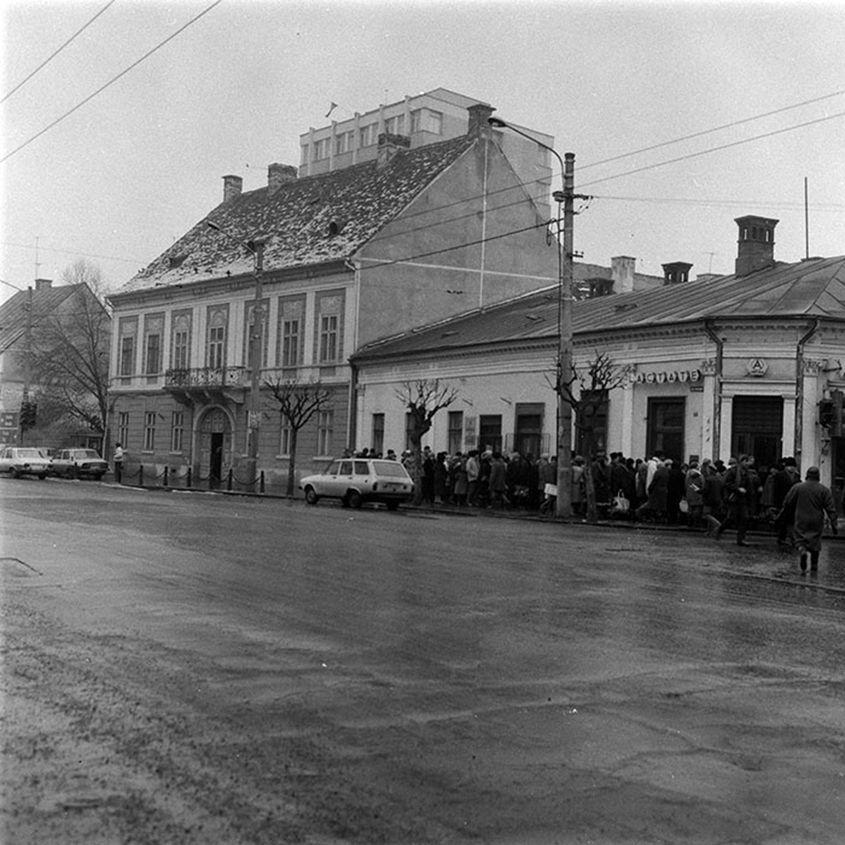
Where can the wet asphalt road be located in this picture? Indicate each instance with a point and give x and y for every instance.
(192, 668)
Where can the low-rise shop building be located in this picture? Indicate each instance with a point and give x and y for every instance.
(753, 362)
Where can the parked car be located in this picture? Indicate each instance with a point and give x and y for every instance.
(78, 463)
(24, 460)
(358, 480)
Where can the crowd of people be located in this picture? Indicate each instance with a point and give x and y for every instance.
(709, 496)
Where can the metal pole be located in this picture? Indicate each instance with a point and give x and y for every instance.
(257, 352)
(564, 434)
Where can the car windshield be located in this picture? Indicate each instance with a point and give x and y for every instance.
(29, 453)
(391, 469)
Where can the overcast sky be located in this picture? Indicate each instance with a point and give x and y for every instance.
(131, 170)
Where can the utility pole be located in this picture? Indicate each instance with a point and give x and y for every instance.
(24, 415)
(563, 386)
(257, 354)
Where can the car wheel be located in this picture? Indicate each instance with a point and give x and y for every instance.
(72, 472)
(311, 496)
(42, 476)
(354, 499)
(14, 473)
(392, 506)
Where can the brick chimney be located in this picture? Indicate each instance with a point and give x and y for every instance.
(278, 175)
(388, 146)
(232, 187)
(477, 126)
(622, 273)
(676, 272)
(43, 284)
(755, 244)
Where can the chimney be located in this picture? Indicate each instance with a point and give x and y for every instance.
(43, 284)
(477, 126)
(622, 273)
(232, 187)
(388, 146)
(755, 244)
(676, 272)
(278, 175)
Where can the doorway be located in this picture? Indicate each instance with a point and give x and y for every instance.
(215, 446)
(757, 428)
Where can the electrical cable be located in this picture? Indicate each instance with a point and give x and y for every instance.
(715, 149)
(55, 53)
(111, 81)
(708, 131)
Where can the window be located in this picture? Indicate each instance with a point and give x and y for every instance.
(322, 148)
(377, 440)
(153, 354)
(218, 318)
(328, 338)
(149, 431)
(123, 427)
(426, 120)
(368, 135)
(362, 468)
(180, 341)
(490, 432)
(665, 427)
(324, 433)
(250, 331)
(343, 142)
(395, 125)
(177, 430)
(127, 355)
(328, 333)
(127, 332)
(291, 332)
(456, 432)
(153, 330)
(285, 436)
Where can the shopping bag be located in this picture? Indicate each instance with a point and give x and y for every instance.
(621, 504)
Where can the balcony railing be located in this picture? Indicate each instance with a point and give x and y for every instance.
(206, 377)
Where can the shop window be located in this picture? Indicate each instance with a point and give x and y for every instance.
(757, 428)
(490, 432)
(377, 439)
(455, 432)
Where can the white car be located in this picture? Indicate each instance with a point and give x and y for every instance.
(24, 460)
(358, 480)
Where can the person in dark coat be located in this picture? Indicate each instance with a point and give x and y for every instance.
(804, 507)
(674, 492)
(739, 490)
(658, 492)
(785, 477)
(498, 483)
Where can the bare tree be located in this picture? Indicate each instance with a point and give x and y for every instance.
(70, 350)
(595, 381)
(422, 398)
(298, 402)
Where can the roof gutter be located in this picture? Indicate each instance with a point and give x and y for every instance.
(710, 328)
(352, 404)
(799, 391)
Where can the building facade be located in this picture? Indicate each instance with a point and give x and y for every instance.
(346, 257)
(749, 363)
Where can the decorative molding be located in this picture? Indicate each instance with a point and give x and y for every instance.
(814, 366)
(708, 366)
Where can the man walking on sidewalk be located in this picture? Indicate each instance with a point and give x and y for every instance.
(804, 508)
(738, 490)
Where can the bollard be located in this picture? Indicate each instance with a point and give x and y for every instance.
(165, 475)
(141, 475)
(188, 478)
(261, 483)
(229, 481)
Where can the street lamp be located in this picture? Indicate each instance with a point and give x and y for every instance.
(563, 197)
(256, 248)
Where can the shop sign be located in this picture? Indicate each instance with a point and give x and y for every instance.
(667, 377)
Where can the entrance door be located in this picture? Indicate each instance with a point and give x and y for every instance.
(215, 446)
(666, 427)
(757, 428)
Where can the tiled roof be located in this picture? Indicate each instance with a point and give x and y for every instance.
(13, 311)
(294, 221)
(811, 288)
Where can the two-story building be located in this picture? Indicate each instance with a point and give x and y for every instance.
(349, 255)
(753, 362)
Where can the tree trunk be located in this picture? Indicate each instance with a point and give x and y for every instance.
(292, 463)
(416, 457)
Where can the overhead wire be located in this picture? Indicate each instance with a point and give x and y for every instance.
(111, 81)
(55, 53)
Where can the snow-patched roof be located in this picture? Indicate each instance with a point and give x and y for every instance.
(811, 288)
(307, 221)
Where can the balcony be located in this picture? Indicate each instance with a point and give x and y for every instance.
(195, 384)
